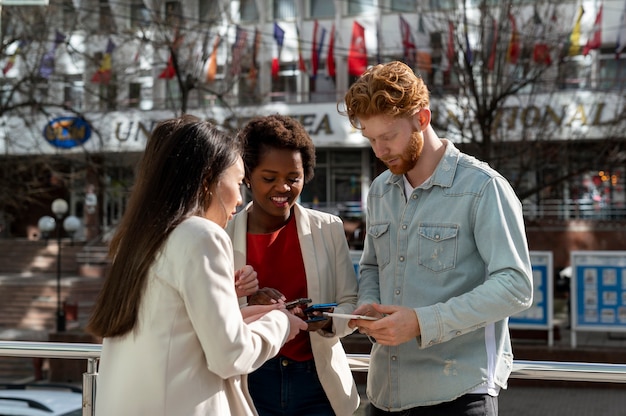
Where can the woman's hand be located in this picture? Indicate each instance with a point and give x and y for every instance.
(246, 282)
(254, 312)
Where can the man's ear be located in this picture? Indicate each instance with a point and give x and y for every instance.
(423, 118)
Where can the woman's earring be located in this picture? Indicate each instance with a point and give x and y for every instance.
(248, 185)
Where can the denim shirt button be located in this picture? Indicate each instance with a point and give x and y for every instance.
(404, 226)
(437, 237)
(394, 358)
(397, 291)
(401, 258)
(414, 196)
(458, 333)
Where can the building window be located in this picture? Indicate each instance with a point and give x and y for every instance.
(285, 86)
(209, 11)
(134, 94)
(69, 15)
(284, 9)
(403, 6)
(248, 11)
(173, 13)
(322, 8)
(443, 4)
(73, 92)
(105, 18)
(139, 16)
(612, 74)
(359, 7)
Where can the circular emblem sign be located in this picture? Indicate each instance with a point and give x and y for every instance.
(67, 132)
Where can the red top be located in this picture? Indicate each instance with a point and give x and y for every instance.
(277, 259)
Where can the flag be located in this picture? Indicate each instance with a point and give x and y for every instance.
(621, 34)
(254, 67)
(279, 36)
(513, 50)
(469, 58)
(423, 54)
(11, 61)
(46, 68)
(330, 59)
(451, 50)
(357, 55)
(103, 74)
(301, 63)
(408, 42)
(241, 38)
(492, 44)
(211, 70)
(170, 70)
(316, 49)
(574, 37)
(595, 38)
(541, 50)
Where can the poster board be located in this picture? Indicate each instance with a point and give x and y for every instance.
(540, 315)
(598, 292)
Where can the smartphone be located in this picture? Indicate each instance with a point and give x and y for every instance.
(320, 307)
(297, 302)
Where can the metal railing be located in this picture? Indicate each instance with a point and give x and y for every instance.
(544, 370)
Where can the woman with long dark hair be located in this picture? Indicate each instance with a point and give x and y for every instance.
(175, 341)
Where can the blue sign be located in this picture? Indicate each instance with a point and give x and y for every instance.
(598, 291)
(67, 132)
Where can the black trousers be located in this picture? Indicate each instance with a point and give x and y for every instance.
(467, 405)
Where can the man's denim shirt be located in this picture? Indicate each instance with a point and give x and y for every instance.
(455, 251)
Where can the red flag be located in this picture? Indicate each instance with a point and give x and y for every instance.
(513, 51)
(301, 64)
(279, 36)
(408, 43)
(541, 54)
(493, 45)
(11, 61)
(170, 71)
(103, 74)
(357, 56)
(330, 60)
(595, 39)
(241, 39)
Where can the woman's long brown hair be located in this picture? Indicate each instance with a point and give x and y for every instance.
(183, 160)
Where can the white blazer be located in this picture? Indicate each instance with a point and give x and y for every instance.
(191, 346)
(330, 277)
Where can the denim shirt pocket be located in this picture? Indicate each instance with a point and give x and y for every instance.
(380, 237)
(438, 246)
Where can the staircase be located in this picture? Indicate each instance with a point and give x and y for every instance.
(28, 295)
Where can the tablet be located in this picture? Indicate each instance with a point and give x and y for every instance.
(350, 316)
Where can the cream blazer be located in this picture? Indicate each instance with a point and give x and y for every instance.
(191, 346)
(330, 277)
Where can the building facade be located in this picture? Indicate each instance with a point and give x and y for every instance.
(534, 88)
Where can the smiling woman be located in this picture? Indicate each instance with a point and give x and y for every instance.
(301, 253)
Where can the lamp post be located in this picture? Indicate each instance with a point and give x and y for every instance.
(71, 224)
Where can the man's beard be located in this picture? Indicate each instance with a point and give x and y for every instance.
(410, 155)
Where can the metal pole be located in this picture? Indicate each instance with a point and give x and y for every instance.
(60, 311)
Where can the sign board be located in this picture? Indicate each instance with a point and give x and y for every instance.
(598, 291)
(541, 313)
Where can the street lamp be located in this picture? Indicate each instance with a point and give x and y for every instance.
(70, 224)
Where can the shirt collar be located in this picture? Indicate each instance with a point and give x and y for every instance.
(444, 172)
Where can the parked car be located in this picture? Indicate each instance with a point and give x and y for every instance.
(40, 400)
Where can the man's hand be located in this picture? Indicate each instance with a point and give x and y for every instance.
(246, 282)
(398, 324)
(266, 296)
